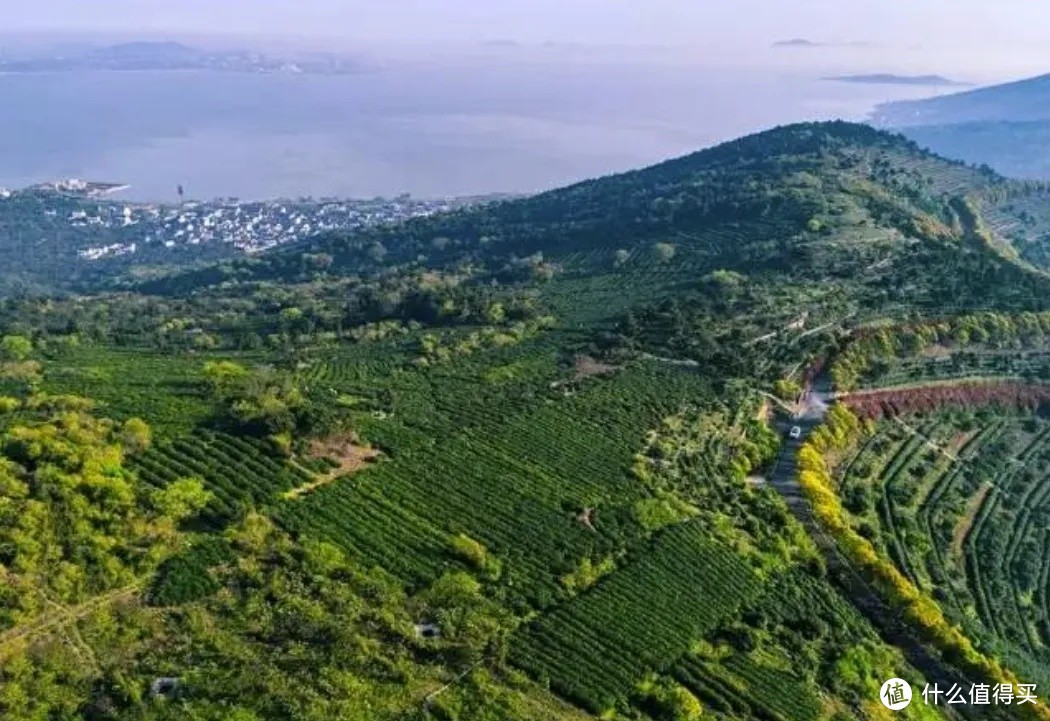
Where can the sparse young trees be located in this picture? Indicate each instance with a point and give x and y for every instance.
(73, 520)
(664, 251)
(15, 348)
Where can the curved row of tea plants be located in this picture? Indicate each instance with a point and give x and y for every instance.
(968, 521)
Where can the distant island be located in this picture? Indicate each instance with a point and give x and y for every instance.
(891, 79)
(797, 43)
(168, 56)
(807, 43)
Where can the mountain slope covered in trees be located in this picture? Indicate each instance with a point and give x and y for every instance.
(810, 201)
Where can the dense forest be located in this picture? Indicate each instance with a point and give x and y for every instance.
(534, 459)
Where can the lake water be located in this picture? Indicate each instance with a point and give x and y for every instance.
(452, 128)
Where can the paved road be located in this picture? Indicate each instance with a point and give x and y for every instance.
(887, 620)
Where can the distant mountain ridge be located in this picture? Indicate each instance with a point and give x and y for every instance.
(892, 79)
(168, 55)
(1006, 127)
(1019, 101)
(797, 43)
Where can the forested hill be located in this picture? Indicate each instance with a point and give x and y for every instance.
(775, 177)
(812, 200)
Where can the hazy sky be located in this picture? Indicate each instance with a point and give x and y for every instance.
(971, 23)
(978, 36)
(583, 88)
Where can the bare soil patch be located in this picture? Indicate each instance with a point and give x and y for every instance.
(350, 455)
(587, 367)
(586, 519)
(346, 450)
(936, 351)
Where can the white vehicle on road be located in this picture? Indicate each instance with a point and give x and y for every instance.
(795, 432)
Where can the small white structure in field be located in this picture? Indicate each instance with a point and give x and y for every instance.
(165, 687)
(428, 630)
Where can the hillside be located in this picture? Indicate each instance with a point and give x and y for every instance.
(64, 237)
(528, 460)
(1021, 101)
(1003, 126)
(831, 202)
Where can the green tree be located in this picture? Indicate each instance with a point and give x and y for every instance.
(15, 347)
(495, 313)
(664, 251)
(377, 252)
(182, 499)
(469, 550)
(136, 435)
(787, 389)
(223, 376)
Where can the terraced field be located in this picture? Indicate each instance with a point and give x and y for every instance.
(162, 387)
(961, 503)
(764, 680)
(748, 688)
(1025, 364)
(511, 467)
(240, 472)
(1023, 220)
(595, 649)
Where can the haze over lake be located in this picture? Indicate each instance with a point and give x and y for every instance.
(453, 126)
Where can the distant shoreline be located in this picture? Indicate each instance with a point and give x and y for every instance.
(77, 188)
(175, 71)
(892, 79)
